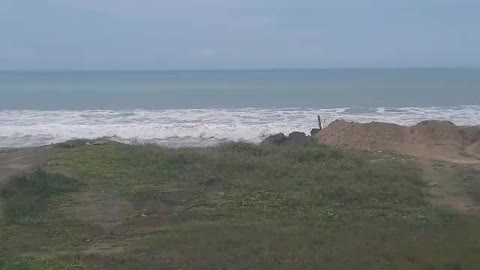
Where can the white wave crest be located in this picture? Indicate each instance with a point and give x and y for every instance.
(199, 127)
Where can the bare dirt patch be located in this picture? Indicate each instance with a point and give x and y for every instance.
(99, 208)
(17, 161)
(447, 187)
(437, 140)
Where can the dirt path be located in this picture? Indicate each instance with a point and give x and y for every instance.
(446, 186)
(17, 161)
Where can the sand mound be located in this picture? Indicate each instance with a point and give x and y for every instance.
(370, 136)
(433, 139)
(436, 133)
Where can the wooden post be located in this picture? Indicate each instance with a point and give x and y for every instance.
(319, 122)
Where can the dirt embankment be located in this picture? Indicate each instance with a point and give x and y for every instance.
(428, 139)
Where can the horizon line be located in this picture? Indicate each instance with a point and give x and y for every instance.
(234, 69)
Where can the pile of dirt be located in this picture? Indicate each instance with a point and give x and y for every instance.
(437, 133)
(433, 139)
(369, 136)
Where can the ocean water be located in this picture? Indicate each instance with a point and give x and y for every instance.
(202, 108)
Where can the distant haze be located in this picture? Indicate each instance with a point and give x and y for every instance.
(237, 34)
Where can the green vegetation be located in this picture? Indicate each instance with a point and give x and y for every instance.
(37, 264)
(252, 183)
(471, 177)
(237, 206)
(26, 203)
(26, 197)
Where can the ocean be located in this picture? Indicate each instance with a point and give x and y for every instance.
(204, 108)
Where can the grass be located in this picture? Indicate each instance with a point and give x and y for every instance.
(236, 206)
(471, 178)
(37, 264)
(248, 182)
(27, 225)
(26, 197)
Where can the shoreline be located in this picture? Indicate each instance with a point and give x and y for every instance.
(338, 127)
(199, 127)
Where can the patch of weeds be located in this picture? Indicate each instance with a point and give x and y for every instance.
(26, 197)
(362, 245)
(474, 191)
(38, 264)
(257, 181)
(49, 236)
(247, 149)
(244, 206)
(471, 178)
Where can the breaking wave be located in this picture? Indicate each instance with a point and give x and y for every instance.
(199, 127)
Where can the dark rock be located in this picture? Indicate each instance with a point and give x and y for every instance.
(294, 139)
(276, 139)
(315, 131)
(298, 139)
(297, 135)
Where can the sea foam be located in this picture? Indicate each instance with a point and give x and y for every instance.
(200, 127)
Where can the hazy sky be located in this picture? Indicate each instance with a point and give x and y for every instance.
(211, 34)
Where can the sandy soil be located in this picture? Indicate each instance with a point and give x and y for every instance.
(435, 140)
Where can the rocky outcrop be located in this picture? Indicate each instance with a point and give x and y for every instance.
(294, 139)
(298, 139)
(276, 139)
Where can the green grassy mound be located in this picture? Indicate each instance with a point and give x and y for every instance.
(237, 206)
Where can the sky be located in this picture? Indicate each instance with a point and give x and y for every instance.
(237, 34)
